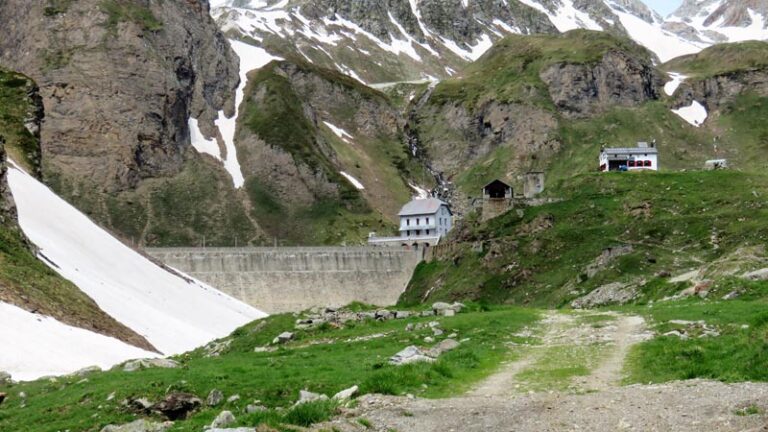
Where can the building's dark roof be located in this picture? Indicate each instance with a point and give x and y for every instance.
(632, 150)
(495, 182)
(422, 207)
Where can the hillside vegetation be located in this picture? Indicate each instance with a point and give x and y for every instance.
(721, 59)
(667, 223)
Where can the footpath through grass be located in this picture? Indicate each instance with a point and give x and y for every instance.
(325, 360)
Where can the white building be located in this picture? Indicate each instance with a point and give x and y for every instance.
(643, 157)
(422, 222)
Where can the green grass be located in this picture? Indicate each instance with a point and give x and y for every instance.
(546, 267)
(721, 59)
(739, 354)
(558, 366)
(119, 11)
(275, 378)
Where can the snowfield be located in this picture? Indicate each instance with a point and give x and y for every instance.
(174, 314)
(35, 346)
(695, 114)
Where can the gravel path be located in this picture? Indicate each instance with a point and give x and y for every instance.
(592, 403)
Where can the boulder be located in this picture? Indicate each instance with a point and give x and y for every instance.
(225, 418)
(139, 405)
(139, 426)
(308, 396)
(411, 354)
(437, 331)
(346, 394)
(233, 398)
(253, 408)
(440, 306)
(428, 313)
(283, 338)
(134, 365)
(87, 371)
(758, 275)
(177, 406)
(447, 312)
(5, 378)
(402, 314)
(442, 347)
(215, 397)
(458, 307)
(613, 293)
(384, 314)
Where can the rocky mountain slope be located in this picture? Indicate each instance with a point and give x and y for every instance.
(118, 99)
(24, 280)
(715, 21)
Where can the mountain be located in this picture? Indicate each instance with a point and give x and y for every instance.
(716, 21)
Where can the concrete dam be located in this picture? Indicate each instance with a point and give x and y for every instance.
(287, 279)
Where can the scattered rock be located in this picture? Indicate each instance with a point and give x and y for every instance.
(264, 349)
(428, 313)
(215, 397)
(253, 408)
(135, 365)
(676, 333)
(176, 406)
(217, 348)
(440, 306)
(402, 314)
(663, 274)
(240, 429)
(233, 398)
(437, 331)
(346, 394)
(138, 405)
(758, 275)
(307, 396)
(5, 378)
(411, 354)
(139, 426)
(443, 346)
(447, 312)
(87, 371)
(429, 339)
(111, 396)
(732, 295)
(613, 293)
(283, 338)
(384, 315)
(225, 418)
(410, 327)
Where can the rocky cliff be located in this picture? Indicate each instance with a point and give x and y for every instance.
(119, 95)
(506, 115)
(301, 127)
(24, 280)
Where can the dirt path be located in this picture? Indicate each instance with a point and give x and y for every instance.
(529, 395)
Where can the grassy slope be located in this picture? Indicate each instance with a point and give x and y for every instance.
(542, 268)
(380, 162)
(739, 354)
(721, 59)
(275, 378)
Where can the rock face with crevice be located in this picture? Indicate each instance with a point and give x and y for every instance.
(118, 97)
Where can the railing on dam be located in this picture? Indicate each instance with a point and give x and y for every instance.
(288, 279)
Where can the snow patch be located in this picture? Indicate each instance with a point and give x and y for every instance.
(421, 193)
(35, 346)
(341, 133)
(173, 314)
(251, 58)
(200, 143)
(671, 86)
(694, 114)
(355, 182)
(566, 17)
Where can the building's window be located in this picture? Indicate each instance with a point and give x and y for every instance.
(418, 221)
(427, 232)
(648, 163)
(418, 232)
(427, 221)
(408, 222)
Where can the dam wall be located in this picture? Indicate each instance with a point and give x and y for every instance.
(288, 279)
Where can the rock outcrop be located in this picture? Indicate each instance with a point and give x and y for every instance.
(118, 98)
(619, 79)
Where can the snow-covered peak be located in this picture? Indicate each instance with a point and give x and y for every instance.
(714, 21)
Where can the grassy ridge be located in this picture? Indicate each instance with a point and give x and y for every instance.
(721, 59)
(275, 378)
(20, 144)
(668, 218)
